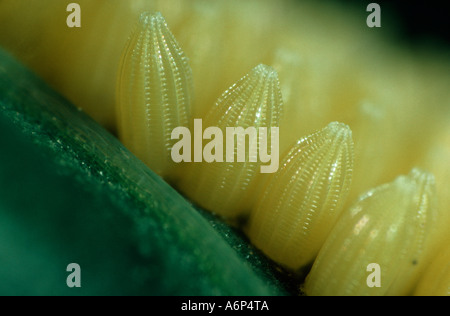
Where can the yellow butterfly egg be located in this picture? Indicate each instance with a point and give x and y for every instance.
(436, 278)
(386, 232)
(154, 93)
(304, 198)
(229, 187)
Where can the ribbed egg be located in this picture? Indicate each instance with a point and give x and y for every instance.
(229, 188)
(154, 93)
(304, 198)
(389, 227)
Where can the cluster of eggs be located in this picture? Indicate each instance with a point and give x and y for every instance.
(338, 201)
(295, 216)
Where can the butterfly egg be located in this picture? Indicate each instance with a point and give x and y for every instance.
(304, 198)
(379, 246)
(154, 93)
(228, 184)
(436, 279)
